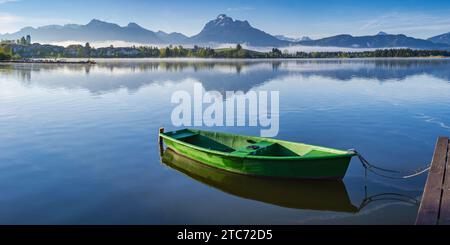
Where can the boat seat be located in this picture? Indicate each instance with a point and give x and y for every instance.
(252, 149)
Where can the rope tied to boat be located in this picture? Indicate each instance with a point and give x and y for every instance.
(376, 170)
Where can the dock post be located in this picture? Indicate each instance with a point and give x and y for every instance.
(161, 141)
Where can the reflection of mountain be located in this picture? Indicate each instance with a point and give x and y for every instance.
(300, 194)
(110, 76)
(217, 75)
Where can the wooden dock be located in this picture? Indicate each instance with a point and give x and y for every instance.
(435, 206)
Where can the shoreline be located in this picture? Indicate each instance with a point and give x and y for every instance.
(76, 61)
(44, 61)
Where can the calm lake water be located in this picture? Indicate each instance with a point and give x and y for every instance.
(78, 144)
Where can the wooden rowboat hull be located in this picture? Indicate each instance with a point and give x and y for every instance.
(258, 156)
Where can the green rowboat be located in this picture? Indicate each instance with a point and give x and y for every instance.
(258, 156)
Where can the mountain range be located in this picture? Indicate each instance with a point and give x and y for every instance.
(226, 30)
(377, 41)
(222, 30)
(444, 38)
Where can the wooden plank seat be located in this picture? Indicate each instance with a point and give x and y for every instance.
(253, 149)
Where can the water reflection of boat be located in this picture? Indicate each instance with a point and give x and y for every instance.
(325, 195)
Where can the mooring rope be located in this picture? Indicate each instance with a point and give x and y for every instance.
(404, 174)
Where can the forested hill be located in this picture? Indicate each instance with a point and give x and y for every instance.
(20, 51)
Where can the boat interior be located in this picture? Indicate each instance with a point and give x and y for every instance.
(246, 145)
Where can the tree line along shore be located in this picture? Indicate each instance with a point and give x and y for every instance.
(38, 51)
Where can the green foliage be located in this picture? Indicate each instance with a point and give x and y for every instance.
(72, 51)
(149, 51)
(23, 41)
(5, 53)
(238, 53)
(275, 53)
(382, 53)
(87, 50)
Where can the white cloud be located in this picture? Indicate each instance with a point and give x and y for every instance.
(8, 1)
(8, 22)
(11, 23)
(416, 24)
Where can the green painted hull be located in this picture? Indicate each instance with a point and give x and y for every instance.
(259, 156)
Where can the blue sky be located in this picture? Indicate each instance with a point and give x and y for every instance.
(318, 18)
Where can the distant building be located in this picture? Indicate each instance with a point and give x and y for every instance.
(28, 39)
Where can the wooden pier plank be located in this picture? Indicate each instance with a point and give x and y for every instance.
(431, 199)
(444, 217)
